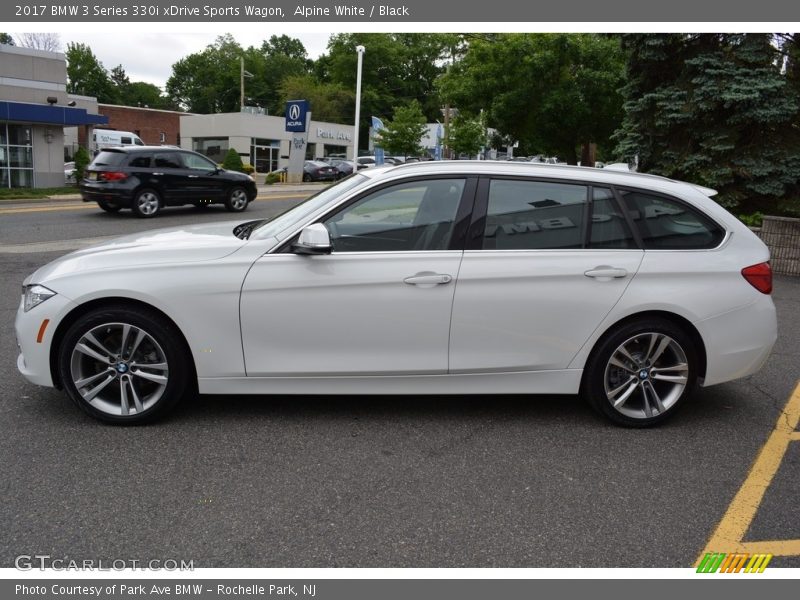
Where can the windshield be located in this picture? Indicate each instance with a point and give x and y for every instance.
(108, 158)
(293, 216)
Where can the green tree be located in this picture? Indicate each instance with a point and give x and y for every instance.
(714, 109)
(551, 92)
(328, 101)
(87, 76)
(5, 38)
(403, 134)
(397, 68)
(208, 81)
(140, 93)
(466, 135)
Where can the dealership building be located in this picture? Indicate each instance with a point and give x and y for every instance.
(261, 140)
(34, 110)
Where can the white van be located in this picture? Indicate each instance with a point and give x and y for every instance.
(111, 138)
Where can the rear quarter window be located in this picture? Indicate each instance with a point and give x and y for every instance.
(666, 223)
(108, 159)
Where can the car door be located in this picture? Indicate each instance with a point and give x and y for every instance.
(170, 173)
(204, 181)
(545, 263)
(379, 303)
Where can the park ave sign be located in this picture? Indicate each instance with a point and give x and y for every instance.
(331, 134)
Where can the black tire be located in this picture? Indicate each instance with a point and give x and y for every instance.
(146, 204)
(306, 177)
(108, 206)
(633, 392)
(158, 355)
(237, 199)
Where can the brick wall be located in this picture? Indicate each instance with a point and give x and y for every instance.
(147, 123)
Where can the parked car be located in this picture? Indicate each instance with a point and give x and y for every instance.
(69, 172)
(147, 178)
(343, 167)
(448, 277)
(316, 170)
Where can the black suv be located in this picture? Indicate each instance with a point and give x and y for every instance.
(147, 178)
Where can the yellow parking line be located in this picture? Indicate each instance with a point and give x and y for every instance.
(740, 514)
(774, 547)
(30, 209)
(795, 437)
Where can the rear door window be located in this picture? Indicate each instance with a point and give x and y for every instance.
(609, 229)
(168, 160)
(534, 215)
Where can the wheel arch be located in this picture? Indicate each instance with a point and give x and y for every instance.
(676, 319)
(121, 301)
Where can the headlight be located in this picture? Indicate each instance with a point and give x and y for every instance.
(34, 295)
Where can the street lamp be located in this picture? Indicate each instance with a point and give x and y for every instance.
(242, 75)
(360, 51)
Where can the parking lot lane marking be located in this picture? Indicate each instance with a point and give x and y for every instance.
(795, 437)
(732, 528)
(30, 209)
(774, 547)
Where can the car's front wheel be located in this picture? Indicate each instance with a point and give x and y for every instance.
(123, 365)
(641, 373)
(236, 200)
(146, 204)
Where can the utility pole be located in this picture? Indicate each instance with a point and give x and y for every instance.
(242, 75)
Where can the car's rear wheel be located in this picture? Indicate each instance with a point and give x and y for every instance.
(108, 206)
(641, 373)
(123, 365)
(146, 204)
(236, 200)
(306, 177)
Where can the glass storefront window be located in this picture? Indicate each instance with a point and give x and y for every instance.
(16, 156)
(264, 154)
(213, 148)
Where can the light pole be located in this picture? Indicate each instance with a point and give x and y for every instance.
(360, 51)
(242, 75)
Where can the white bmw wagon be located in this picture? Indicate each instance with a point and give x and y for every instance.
(429, 278)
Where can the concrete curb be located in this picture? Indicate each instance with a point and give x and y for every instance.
(276, 188)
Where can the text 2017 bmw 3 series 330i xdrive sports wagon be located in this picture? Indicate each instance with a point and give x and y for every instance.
(429, 278)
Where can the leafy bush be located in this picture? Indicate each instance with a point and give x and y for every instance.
(233, 162)
(273, 177)
(82, 161)
(248, 168)
(752, 220)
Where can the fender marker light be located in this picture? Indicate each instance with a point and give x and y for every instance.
(42, 329)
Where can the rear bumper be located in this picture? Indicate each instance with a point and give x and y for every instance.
(94, 194)
(740, 341)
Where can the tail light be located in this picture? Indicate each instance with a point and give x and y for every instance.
(759, 276)
(113, 176)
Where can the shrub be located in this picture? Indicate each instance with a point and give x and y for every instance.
(82, 161)
(248, 168)
(233, 162)
(273, 177)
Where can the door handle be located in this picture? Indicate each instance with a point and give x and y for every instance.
(429, 279)
(157, 173)
(193, 176)
(605, 272)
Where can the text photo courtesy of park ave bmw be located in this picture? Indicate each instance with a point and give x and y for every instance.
(330, 292)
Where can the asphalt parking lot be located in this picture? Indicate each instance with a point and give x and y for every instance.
(499, 481)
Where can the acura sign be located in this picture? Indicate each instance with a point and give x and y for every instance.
(296, 112)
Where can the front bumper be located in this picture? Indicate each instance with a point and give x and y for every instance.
(34, 353)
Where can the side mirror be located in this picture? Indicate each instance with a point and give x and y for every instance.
(314, 239)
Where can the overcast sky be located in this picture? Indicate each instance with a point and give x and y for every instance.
(149, 56)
